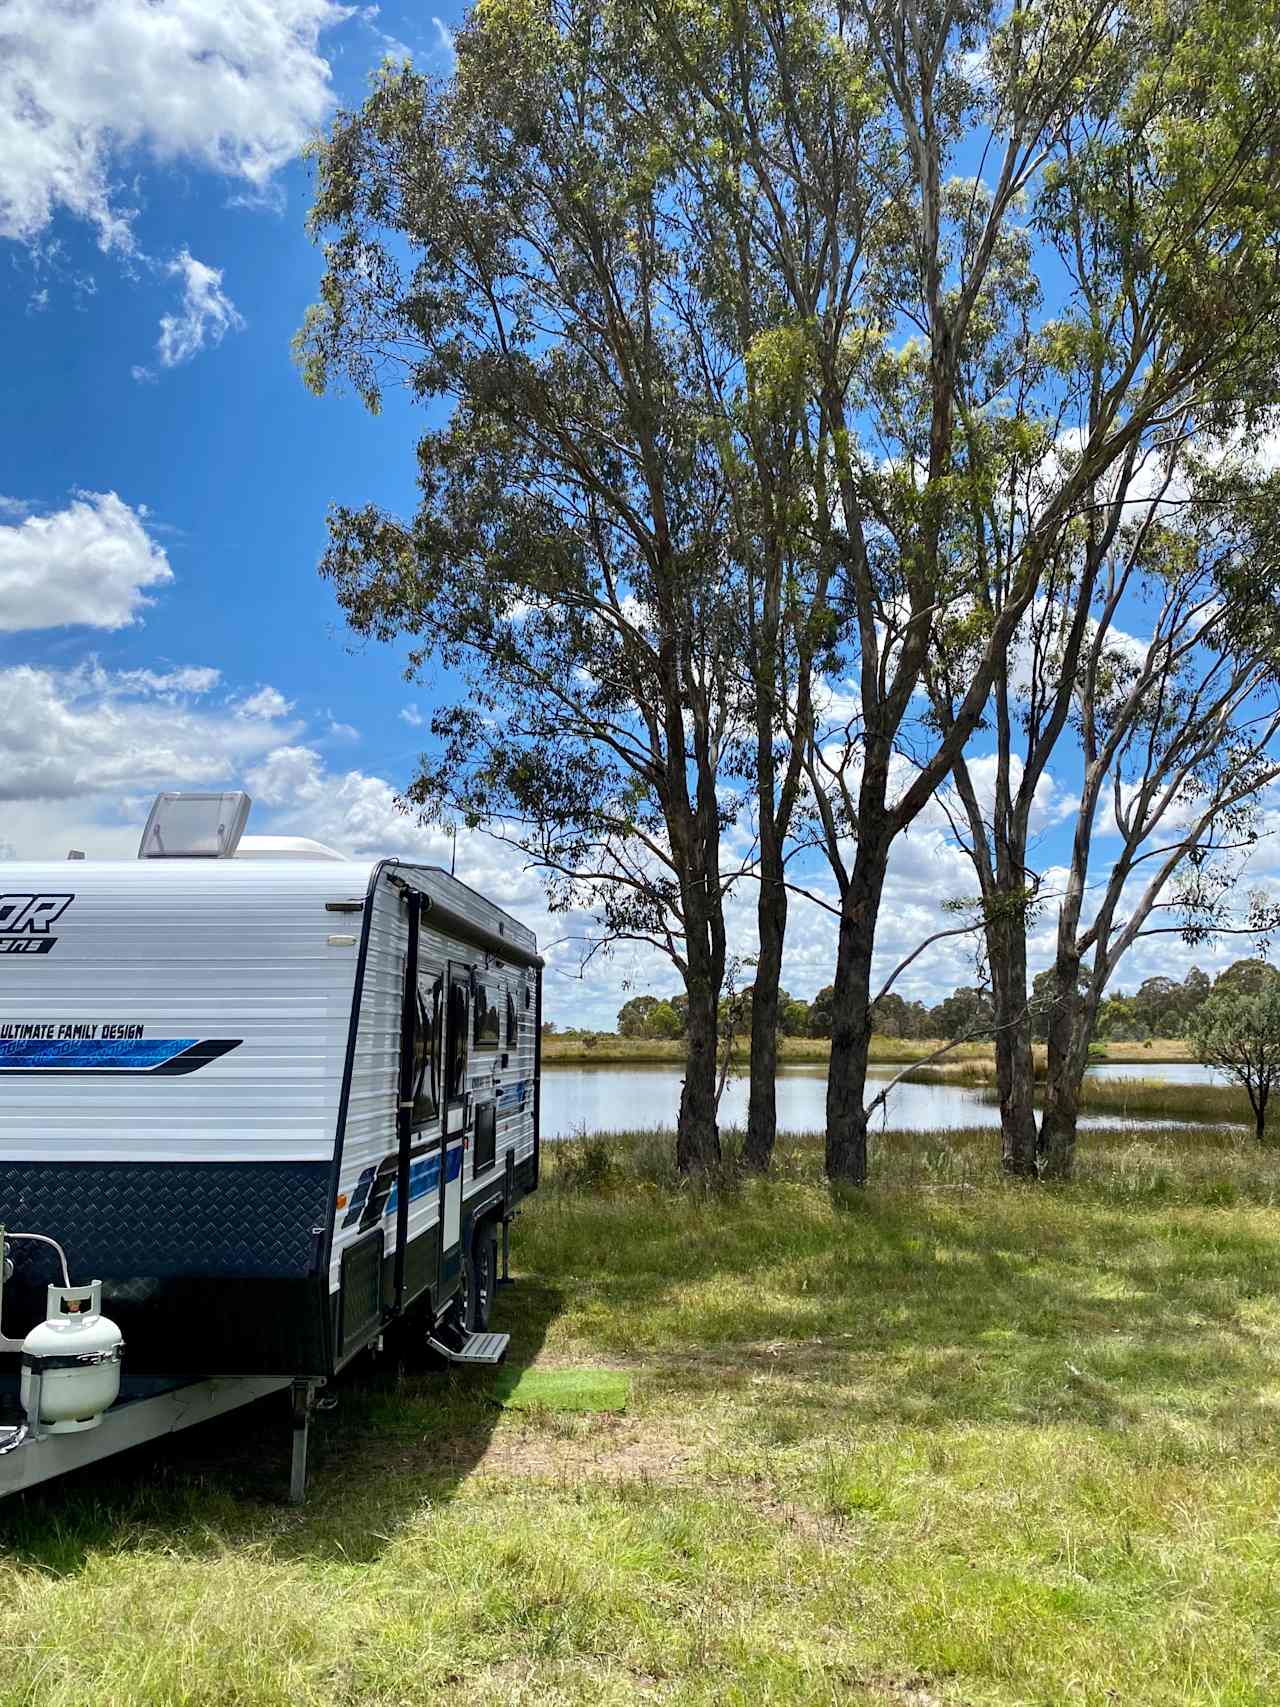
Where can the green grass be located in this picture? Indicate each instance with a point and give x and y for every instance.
(1150, 1099)
(949, 1441)
(569, 1390)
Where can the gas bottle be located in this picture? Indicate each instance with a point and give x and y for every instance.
(77, 1351)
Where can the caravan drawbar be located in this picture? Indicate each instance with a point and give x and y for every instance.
(261, 1103)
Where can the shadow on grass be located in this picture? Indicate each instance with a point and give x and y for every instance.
(395, 1440)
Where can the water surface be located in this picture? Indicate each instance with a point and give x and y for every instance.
(631, 1098)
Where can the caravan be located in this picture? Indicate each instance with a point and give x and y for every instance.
(274, 1101)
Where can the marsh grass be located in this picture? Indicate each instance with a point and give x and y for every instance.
(601, 1049)
(1152, 1099)
(945, 1441)
(1128, 1099)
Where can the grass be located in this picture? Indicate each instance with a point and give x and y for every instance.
(600, 1048)
(946, 1443)
(565, 1390)
(1154, 1049)
(1125, 1098)
(1150, 1099)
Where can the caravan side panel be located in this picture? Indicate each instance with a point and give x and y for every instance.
(169, 1074)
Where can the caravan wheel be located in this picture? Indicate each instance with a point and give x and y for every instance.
(480, 1277)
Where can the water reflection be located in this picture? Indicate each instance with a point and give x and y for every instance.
(631, 1098)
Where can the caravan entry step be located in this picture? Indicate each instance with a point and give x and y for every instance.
(476, 1348)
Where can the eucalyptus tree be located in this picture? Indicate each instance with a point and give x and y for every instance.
(709, 288)
(616, 531)
(1238, 1035)
(1174, 734)
(843, 150)
(765, 107)
(504, 243)
(1180, 737)
(1125, 153)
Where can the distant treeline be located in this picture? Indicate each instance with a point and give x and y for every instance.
(1160, 1007)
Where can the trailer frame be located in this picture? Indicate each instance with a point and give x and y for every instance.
(30, 1453)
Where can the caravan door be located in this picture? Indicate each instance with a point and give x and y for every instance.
(456, 1117)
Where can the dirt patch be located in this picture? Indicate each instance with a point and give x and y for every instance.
(622, 1450)
(614, 1448)
(907, 1692)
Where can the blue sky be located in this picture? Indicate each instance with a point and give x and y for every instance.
(232, 459)
(165, 475)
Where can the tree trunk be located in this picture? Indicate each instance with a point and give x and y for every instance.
(1015, 1082)
(1070, 1025)
(851, 1018)
(1015, 1072)
(1260, 1117)
(771, 914)
(698, 1135)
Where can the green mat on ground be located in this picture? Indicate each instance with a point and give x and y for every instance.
(562, 1389)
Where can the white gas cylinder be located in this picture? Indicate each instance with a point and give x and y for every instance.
(77, 1351)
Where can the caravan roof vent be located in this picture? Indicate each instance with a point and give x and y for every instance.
(195, 826)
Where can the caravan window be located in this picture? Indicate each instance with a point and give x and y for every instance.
(486, 1016)
(513, 1024)
(426, 1050)
(459, 1040)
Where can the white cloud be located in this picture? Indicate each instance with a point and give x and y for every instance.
(342, 731)
(288, 776)
(89, 733)
(208, 313)
(187, 679)
(82, 751)
(266, 702)
(412, 716)
(90, 563)
(234, 86)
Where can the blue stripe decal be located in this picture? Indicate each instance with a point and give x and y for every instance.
(424, 1176)
(130, 1055)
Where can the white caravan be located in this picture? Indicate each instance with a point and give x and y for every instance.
(273, 1100)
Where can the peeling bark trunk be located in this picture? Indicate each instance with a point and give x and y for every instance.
(1015, 1072)
(1070, 1027)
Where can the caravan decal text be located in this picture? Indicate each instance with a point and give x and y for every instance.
(109, 1047)
(26, 922)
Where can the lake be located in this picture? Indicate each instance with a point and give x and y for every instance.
(626, 1099)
